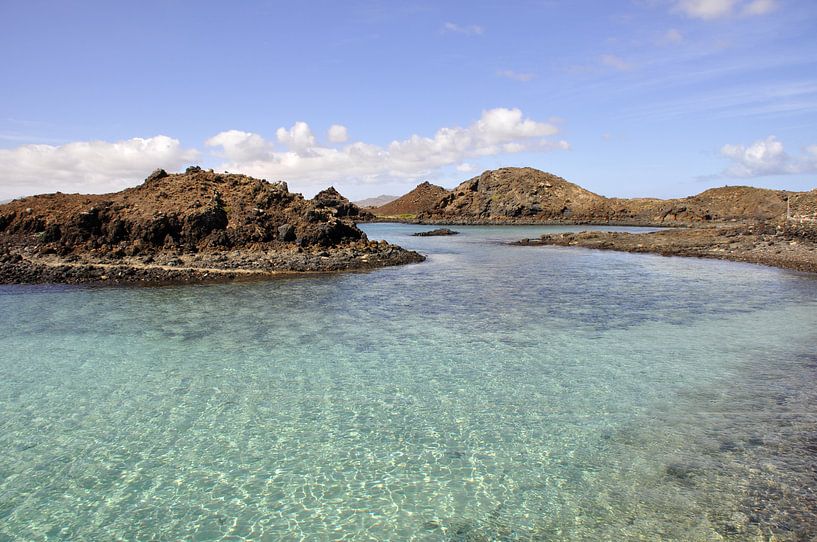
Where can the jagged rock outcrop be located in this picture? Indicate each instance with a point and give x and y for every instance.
(421, 199)
(201, 213)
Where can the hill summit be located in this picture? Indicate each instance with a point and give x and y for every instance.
(516, 194)
(422, 198)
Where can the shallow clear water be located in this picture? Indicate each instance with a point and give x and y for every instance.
(490, 393)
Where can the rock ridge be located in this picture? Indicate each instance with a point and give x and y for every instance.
(526, 195)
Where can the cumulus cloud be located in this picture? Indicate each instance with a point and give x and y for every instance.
(716, 9)
(469, 30)
(338, 134)
(299, 137)
(498, 131)
(767, 157)
(241, 145)
(615, 62)
(88, 166)
(523, 77)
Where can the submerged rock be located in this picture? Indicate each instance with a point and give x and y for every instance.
(434, 233)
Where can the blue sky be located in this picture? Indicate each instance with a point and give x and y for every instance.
(627, 98)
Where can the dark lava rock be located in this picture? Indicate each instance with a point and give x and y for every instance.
(170, 218)
(435, 233)
(286, 233)
(156, 175)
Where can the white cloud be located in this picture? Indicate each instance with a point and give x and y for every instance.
(767, 157)
(759, 7)
(87, 166)
(716, 9)
(469, 30)
(337, 134)
(465, 167)
(524, 77)
(498, 131)
(242, 145)
(294, 155)
(706, 9)
(298, 137)
(616, 63)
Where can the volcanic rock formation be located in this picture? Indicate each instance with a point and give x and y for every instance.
(198, 219)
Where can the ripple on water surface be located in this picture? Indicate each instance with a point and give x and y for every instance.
(491, 393)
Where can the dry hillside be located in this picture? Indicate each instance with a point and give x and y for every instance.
(424, 196)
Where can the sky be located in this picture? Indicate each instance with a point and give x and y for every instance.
(659, 98)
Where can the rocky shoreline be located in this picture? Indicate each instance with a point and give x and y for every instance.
(504, 221)
(166, 269)
(787, 246)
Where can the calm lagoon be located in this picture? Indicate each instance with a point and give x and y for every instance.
(490, 393)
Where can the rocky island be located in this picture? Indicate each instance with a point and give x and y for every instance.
(741, 223)
(188, 227)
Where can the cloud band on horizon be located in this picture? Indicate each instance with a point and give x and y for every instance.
(294, 155)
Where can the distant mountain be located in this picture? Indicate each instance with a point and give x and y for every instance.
(376, 201)
(423, 198)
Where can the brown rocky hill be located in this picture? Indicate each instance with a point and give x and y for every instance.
(424, 197)
(527, 195)
(726, 204)
(197, 218)
(516, 195)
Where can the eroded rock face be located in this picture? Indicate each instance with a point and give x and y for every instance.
(192, 213)
(338, 205)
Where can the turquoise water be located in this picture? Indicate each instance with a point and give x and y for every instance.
(490, 393)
